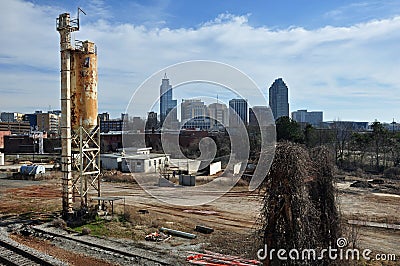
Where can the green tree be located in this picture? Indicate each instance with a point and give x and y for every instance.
(288, 129)
(311, 136)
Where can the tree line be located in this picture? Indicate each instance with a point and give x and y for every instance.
(371, 150)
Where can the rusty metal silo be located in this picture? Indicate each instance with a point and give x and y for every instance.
(84, 78)
(80, 134)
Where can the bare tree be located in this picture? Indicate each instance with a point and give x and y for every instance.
(379, 137)
(323, 194)
(343, 132)
(289, 217)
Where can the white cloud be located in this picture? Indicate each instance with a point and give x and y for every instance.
(324, 68)
(98, 8)
(364, 10)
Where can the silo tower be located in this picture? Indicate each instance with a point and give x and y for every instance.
(80, 132)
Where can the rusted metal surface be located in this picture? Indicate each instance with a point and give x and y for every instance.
(84, 106)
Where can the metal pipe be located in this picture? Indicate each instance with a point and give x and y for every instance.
(64, 28)
(204, 229)
(177, 233)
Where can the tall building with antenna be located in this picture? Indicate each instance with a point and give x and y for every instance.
(167, 104)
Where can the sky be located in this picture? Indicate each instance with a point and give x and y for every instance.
(341, 57)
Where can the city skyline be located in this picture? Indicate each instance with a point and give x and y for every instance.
(195, 113)
(20, 123)
(338, 56)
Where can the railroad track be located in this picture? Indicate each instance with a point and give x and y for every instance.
(11, 255)
(129, 258)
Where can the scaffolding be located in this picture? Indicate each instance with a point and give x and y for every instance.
(86, 162)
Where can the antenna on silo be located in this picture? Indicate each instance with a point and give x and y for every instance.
(79, 10)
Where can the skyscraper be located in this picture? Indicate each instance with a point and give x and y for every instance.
(167, 104)
(238, 106)
(278, 98)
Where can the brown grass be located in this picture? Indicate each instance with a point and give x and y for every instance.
(116, 176)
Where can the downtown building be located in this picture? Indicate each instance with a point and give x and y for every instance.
(167, 104)
(278, 99)
(314, 118)
(107, 124)
(218, 113)
(11, 117)
(48, 122)
(32, 119)
(237, 112)
(194, 114)
(152, 121)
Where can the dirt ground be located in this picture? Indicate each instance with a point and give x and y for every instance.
(232, 216)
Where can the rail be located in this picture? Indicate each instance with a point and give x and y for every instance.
(102, 248)
(15, 256)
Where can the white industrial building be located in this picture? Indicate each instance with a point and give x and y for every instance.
(136, 163)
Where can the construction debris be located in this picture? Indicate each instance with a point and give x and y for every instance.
(32, 169)
(204, 229)
(157, 237)
(376, 181)
(177, 233)
(361, 184)
(217, 259)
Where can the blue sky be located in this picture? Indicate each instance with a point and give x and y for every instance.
(310, 14)
(339, 56)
